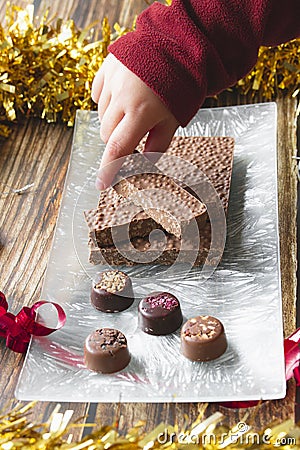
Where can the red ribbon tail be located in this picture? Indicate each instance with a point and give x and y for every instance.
(241, 404)
(297, 375)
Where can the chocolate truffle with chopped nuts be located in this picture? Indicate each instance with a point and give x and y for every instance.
(112, 291)
(106, 351)
(203, 338)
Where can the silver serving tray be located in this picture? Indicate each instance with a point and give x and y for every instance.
(244, 291)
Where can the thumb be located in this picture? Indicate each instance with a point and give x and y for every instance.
(159, 138)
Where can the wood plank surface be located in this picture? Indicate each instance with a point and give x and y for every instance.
(287, 206)
(38, 153)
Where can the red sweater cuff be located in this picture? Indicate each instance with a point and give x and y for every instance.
(197, 48)
(169, 81)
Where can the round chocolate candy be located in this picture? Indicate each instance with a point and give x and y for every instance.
(112, 291)
(160, 313)
(203, 338)
(106, 351)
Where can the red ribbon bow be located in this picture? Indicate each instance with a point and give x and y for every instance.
(18, 329)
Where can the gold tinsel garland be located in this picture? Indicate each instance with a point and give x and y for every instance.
(47, 68)
(17, 432)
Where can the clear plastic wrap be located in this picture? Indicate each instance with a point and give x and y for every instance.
(244, 292)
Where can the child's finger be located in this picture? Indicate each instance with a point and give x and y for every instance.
(111, 118)
(97, 86)
(122, 142)
(103, 103)
(160, 136)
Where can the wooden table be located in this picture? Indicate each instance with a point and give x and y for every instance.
(39, 152)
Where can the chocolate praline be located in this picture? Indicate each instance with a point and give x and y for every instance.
(203, 338)
(106, 351)
(112, 291)
(160, 313)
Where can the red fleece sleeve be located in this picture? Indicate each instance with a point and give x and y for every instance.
(196, 48)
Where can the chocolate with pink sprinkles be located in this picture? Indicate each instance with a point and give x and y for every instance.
(163, 299)
(160, 313)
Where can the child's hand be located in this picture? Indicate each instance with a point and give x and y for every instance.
(128, 109)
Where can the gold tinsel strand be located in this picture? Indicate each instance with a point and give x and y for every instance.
(18, 432)
(277, 69)
(47, 68)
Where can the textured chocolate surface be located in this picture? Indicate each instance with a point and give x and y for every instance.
(106, 351)
(165, 201)
(112, 291)
(159, 313)
(118, 214)
(169, 251)
(203, 338)
(213, 156)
